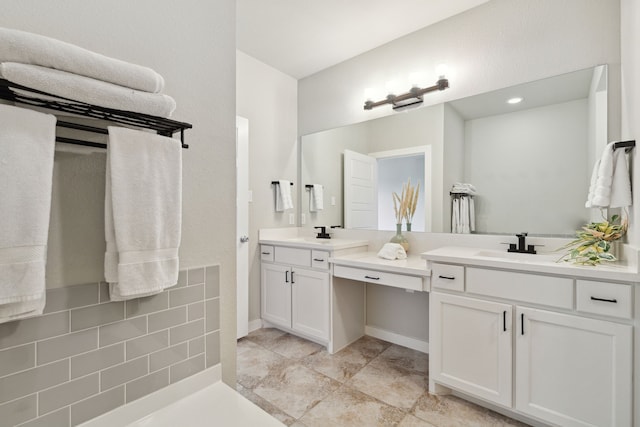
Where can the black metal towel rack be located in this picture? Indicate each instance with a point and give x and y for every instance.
(627, 145)
(162, 126)
(278, 183)
(460, 195)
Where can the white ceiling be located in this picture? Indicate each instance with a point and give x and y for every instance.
(302, 37)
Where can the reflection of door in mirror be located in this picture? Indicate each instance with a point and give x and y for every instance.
(360, 191)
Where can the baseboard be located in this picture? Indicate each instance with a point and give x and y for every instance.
(254, 325)
(398, 339)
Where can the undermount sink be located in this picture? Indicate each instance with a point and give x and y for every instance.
(312, 240)
(518, 256)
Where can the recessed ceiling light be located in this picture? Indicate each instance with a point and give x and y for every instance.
(515, 100)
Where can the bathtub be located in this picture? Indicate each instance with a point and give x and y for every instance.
(198, 401)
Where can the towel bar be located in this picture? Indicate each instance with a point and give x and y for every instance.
(164, 127)
(278, 183)
(627, 145)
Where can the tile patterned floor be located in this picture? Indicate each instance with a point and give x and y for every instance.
(370, 383)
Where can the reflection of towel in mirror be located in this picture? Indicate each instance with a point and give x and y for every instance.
(284, 200)
(463, 187)
(610, 185)
(463, 215)
(316, 198)
(392, 251)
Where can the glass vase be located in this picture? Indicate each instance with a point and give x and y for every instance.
(400, 239)
(408, 226)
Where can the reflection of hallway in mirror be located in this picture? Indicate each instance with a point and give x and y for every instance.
(393, 172)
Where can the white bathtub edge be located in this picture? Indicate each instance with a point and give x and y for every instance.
(144, 406)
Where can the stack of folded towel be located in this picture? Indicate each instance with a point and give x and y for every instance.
(463, 188)
(73, 73)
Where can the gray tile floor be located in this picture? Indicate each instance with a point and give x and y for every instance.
(369, 383)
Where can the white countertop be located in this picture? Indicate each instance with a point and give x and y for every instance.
(543, 263)
(413, 265)
(314, 243)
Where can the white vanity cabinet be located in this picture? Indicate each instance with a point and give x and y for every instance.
(518, 340)
(470, 349)
(295, 290)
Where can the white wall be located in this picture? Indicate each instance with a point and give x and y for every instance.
(498, 44)
(268, 99)
(453, 152)
(519, 161)
(630, 40)
(192, 44)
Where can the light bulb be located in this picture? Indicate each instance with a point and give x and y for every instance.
(515, 100)
(441, 71)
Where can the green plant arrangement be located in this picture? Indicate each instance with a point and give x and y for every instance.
(593, 242)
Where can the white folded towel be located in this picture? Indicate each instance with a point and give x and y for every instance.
(87, 90)
(610, 185)
(463, 187)
(392, 251)
(316, 199)
(27, 141)
(34, 49)
(143, 211)
(284, 200)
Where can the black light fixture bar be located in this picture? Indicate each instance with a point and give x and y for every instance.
(414, 96)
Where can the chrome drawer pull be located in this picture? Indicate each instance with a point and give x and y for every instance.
(447, 277)
(371, 277)
(615, 301)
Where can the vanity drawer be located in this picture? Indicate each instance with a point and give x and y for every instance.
(608, 299)
(445, 276)
(379, 277)
(320, 259)
(293, 256)
(536, 289)
(266, 253)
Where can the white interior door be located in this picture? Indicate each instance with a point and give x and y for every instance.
(360, 191)
(242, 220)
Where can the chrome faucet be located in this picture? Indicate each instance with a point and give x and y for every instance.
(522, 247)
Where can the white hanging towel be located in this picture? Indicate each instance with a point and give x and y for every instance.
(284, 201)
(29, 48)
(464, 216)
(316, 199)
(610, 185)
(143, 212)
(472, 214)
(621, 184)
(455, 216)
(27, 141)
(85, 89)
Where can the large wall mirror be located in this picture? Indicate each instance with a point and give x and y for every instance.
(530, 162)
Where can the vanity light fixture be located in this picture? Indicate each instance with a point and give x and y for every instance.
(515, 100)
(413, 97)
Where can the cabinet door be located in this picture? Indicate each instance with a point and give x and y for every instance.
(573, 371)
(310, 303)
(470, 346)
(276, 294)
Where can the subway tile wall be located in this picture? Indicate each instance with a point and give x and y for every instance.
(87, 355)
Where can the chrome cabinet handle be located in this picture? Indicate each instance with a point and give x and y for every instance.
(612, 300)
